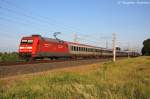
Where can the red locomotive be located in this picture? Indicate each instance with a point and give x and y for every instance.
(35, 46)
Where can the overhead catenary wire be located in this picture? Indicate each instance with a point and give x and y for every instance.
(25, 21)
(23, 15)
(44, 18)
(19, 23)
(37, 18)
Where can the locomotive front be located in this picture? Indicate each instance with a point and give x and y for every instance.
(28, 47)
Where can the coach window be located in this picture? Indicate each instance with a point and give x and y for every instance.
(96, 50)
(81, 48)
(72, 48)
(87, 49)
(77, 48)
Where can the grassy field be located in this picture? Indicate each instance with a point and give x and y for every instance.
(125, 79)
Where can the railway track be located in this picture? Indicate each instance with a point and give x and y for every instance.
(14, 69)
(38, 61)
(30, 62)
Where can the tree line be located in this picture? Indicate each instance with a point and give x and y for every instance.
(146, 47)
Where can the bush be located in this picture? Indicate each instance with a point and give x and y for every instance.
(8, 57)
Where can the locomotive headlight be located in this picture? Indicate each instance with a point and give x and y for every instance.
(25, 47)
(29, 47)
(21, 47)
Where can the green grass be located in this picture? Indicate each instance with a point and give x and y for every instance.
(8, 57)
(125, 79)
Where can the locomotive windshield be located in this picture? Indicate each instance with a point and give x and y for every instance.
(27, 41)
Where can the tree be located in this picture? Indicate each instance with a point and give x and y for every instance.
(146, 47)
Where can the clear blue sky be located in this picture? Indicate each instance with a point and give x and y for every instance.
(94, 21)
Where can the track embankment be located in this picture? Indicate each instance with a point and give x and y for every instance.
(14, 70)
